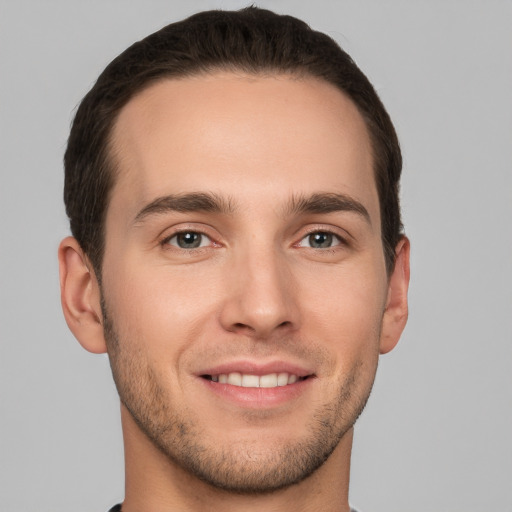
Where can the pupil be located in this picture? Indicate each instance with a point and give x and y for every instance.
(189, 240)
(320, 240)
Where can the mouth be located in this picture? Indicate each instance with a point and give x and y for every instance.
(246, 380)
(258, 385)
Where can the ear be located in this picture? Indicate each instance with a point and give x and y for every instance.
(396, 312)
(80, 296)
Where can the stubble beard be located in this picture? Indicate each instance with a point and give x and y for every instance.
(241, 468)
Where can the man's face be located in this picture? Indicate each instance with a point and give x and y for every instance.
(243, 249)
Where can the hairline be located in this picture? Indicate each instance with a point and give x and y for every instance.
(112, 164)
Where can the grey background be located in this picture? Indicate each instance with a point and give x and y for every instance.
(437, 433)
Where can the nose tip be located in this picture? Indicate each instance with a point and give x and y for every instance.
(261, 302)
(256, 328)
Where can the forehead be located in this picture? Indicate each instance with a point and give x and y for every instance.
(241, 135)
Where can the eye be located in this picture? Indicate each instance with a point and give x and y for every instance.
(320, 240)
(188, 240)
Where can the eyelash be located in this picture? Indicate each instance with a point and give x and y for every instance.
(166, 240)
(340, 241)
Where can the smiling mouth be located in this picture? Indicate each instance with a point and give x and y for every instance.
(271, 380)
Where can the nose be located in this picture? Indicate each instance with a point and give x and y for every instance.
(260, 296)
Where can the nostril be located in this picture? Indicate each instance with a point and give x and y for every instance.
(243, 328)
(260, 327)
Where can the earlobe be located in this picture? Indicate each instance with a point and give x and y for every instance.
(396, 312)
(80, 296)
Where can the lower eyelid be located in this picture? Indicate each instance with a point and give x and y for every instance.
(338, 239)
(167, 240)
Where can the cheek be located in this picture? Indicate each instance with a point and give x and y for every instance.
(347, 311)
(159, 307)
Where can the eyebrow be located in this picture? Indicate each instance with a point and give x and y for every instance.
(318, 203)
(327, 202)
(191, 202)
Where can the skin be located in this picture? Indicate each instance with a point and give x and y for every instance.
(258, 291)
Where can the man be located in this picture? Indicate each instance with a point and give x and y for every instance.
(232, 189)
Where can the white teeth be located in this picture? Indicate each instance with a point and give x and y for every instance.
(250, 381)
(282, 379)
(292, 379)
(235, 379)
(270, 380)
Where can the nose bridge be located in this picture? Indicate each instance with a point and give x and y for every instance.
(261, 298)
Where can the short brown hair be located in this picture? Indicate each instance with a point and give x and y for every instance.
(251, 40)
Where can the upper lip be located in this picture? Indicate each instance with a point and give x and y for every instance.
(257, 368)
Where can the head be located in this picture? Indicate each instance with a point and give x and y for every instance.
(232, 185)
(253, 41)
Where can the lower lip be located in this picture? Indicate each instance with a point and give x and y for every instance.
(258, 398)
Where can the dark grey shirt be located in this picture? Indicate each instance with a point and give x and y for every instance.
(117, 508)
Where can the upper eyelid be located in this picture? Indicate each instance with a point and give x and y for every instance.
(343, 235)
(171, 231)
(166, 245)
(166, 239)
(176, 233)
(340, 233)
(340, 239)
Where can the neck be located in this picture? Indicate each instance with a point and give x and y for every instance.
(156, 484)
